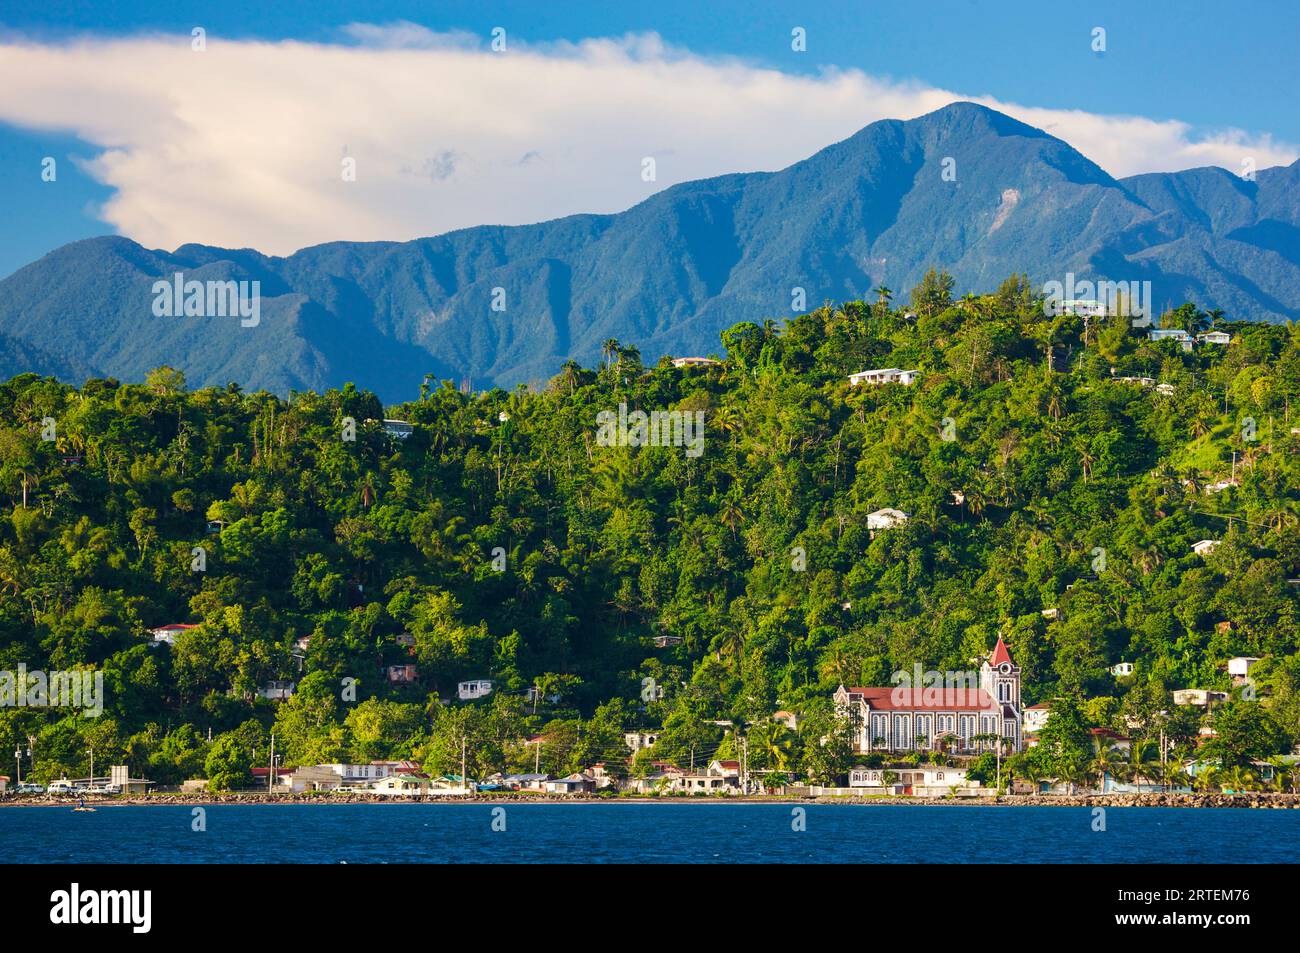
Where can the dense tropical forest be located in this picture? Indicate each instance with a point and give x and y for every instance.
(502, 540)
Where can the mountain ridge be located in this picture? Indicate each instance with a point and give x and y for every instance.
(672, 271)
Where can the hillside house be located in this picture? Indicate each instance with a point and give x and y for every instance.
(886, 518)
(883, 375)
(474, 689)
(680, 362)
(167, 633)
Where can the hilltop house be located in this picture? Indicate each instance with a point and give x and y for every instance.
(398, 429)
(1200, 697)
(168, 633)
(636, 740)
(883, 375)
(277, 690)
(1239, 668)
(1214, 337)
(1206, 546)
(473, 689)
(1173, 334)
(1036, 717)
(1122, 669)
(886, 518)
(902, 718)
(695, 362)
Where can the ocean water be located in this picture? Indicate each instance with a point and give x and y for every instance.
(636, 832)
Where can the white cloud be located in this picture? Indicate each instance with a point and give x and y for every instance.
(242, 145)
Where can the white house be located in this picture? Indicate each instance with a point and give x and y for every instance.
(398, 429)
(526, 782)
(1036, 716)
(1184, 339)
(1206, 546)
(636, 740)
(883, 375)
(474, 688)
(577, 783)
(1239, 668)
(277, 690)
(1082, 307)
(1122, 669)
(926, 780)
(1198, 696)
(694, 362)
(886, 519)
(401, 785)
(168, 633)
(1214, 337)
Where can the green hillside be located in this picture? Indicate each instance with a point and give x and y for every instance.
(1078, 493)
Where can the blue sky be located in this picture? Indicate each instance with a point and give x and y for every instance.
(1202, 64)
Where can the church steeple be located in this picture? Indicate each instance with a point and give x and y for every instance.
(1000, 676)
(1000, 654)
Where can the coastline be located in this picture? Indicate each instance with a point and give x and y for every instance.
(1254, 800)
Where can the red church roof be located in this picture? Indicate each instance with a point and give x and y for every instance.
(1000, 654)
(926, 699)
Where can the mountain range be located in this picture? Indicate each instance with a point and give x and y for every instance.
(964, 188)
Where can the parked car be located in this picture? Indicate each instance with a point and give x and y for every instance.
(62, 786)
(27, 787)
(103, 789)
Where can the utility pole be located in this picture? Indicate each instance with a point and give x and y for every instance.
(92, 766)
(18, 754)
(270, 775)
(537, 756)
(463, 744)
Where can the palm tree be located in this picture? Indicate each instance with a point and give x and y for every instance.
(1030, 771)
(1141, 761)
(1071, 774)
(609, 349)
(1103, 764)
(1205, 777)
(883, 295)
(1086, 460)
(732, 516)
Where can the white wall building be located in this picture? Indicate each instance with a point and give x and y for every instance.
(886, 518)
(474, 688)
(902, 718)
(883, 375)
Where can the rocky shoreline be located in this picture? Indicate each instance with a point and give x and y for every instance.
(1182, 800)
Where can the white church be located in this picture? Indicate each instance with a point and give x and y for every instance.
(924, 717)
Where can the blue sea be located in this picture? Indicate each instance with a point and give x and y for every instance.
(621, 833)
